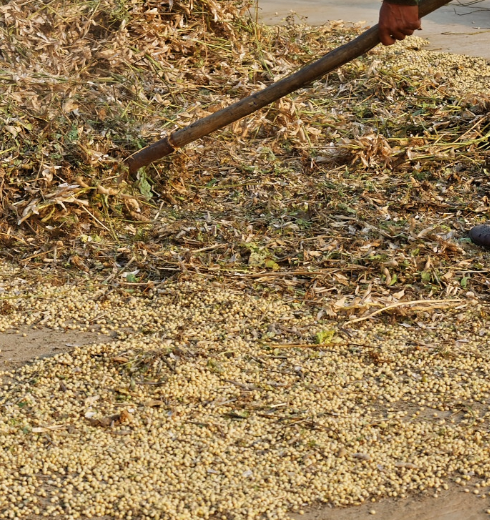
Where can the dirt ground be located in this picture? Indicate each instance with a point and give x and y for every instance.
(26, 345)
(18, 348)
(453, 504)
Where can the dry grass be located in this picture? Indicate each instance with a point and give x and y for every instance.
(352, 195)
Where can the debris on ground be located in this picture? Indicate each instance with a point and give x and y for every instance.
(212, 404)
(297, 311)
(361, 187)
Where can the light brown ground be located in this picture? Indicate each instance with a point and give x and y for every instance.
(446, 31)
(454, 504)
(16, 349)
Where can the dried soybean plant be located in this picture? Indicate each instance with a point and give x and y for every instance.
(353, 195)
(85, 83)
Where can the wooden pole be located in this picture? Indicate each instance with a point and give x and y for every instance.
(202, 127)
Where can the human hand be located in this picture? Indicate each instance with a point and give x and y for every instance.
(397, 21)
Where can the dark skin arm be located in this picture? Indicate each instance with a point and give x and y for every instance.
(396, 21)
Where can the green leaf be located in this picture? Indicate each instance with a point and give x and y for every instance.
(73, 134)
(324, 336)
(27, 126)
(270, 264)
(145, 187)
(214, 366)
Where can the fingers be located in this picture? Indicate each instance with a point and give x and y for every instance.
(413, 26)
(408, 28)
(396, 22)
(398, 34)
(385, 36)
(389, 36)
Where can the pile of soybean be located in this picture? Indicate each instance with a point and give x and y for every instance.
(218, 405)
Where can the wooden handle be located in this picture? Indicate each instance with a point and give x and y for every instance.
(331, 61)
